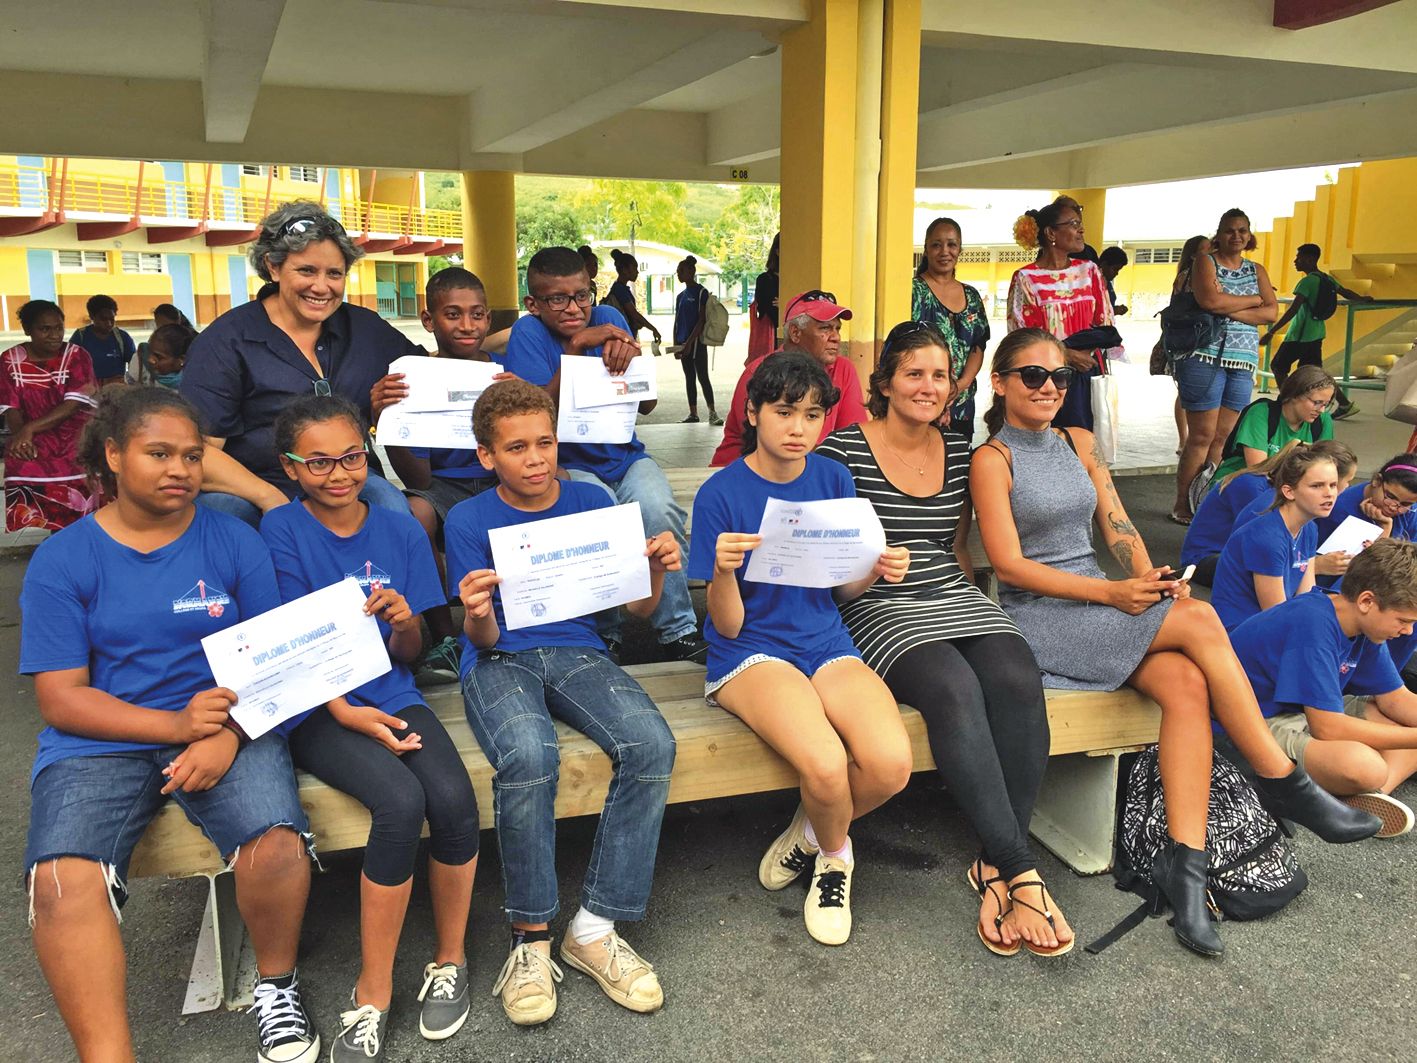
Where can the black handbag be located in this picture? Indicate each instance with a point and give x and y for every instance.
(1186, 328)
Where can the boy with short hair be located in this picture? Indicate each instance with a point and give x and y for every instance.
(109, 346)
(1304, 655)
(562, 319)
(515, 682)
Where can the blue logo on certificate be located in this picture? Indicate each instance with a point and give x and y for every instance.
(582, 429)
(776, 570)
(538, 609)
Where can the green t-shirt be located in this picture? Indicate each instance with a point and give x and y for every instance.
(1253, 428)
(1302, 326)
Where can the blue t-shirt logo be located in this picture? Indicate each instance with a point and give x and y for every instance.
(203, 597)
(371, 577)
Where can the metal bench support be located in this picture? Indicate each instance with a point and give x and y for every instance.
(224, 966)
(1075, 816)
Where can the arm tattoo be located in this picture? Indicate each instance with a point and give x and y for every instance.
(1097, 453)
(1122, 551)
(1122, 527)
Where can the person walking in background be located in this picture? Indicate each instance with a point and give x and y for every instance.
(622, 294)
(956, 309)
(689, 310)
(109, 346)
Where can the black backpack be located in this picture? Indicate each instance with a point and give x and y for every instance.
(1252, 869)
(1232, 445)
(1186, 328)
(1326, 301)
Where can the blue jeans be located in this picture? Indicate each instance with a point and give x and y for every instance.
(1207, 385)
(511, 699)
(377, 492)
(644, 482)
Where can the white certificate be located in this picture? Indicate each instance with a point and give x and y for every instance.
(438, 383)
(1352, 536)
(446, 429)
(575, 423)
(564, 567)
(636, 384)
(817, 544)
(297, 656)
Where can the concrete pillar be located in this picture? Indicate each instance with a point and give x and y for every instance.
(490, 239)
(900, 108)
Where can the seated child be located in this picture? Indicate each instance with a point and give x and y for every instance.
(1303, 656)
(380, 743)
(1328, 566)
(515, 683)
(1213, 522)
(115, 608)
(167, 354)
(780, 658)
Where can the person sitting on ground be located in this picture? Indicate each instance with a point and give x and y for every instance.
(689, 315)
(1305, 655)
(780, 657)
(940, 643)
(167, 354)
(380, 743)
(516, 682)
(1111, 262)
(47, 392)
(939, 298)
(813, 326)
(1299, 411)
(140, 369)
(1304, 342)
(1038, 490)
(114, 611)
(1211, 527)
(622, 294)
(561, 321)
(109, 346)
(1346, 462)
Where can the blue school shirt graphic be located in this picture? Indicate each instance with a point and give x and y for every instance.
(1262, 547)
(389, 551)
(110, 355)
(447, 464)
(534, 354)
(776, 620)
(1296, 654)
(469, 547)
(1213, 523)
(136, 620)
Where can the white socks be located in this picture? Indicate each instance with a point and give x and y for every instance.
(586, 927)
(844, 853)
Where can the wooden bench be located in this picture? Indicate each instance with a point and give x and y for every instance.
(718, 756)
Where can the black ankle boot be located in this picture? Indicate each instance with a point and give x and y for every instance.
(1179, 873)
(1298, 797)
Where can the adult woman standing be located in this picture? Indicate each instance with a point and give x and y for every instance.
(762, 337)
(297, 337)
(940, 643)
(956, 310)
(689, 311)
(1215, 382)
(1061, 293)
(622, 295)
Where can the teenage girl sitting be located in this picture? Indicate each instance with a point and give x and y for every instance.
(780, 658)
(1213, 523)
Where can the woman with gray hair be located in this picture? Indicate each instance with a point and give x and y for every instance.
(297, 337)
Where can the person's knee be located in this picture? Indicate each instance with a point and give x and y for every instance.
(527, 758)
(67, 887)
(650, 753)
(823, 773)
(1185, 690)
(1358, 769)
(1200, 626)
(891, 767)
(277, 852)
(425, 514)
(400, 810)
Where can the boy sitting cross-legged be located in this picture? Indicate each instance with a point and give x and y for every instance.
(515, 682)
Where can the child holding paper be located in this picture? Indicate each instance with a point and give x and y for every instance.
(516, 682)
(380, 743)
(780, 657)
(115, 607)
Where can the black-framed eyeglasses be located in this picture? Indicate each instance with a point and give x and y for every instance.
(354, 459)
(301, 226)
(322, 388)
(1071, 223)
(1035, 376)
(560, 300)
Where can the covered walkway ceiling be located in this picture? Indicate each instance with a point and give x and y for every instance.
(1013, 93)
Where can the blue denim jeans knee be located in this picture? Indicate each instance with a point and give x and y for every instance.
(377, 492)
(511, 699)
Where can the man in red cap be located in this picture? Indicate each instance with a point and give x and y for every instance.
(813, 326)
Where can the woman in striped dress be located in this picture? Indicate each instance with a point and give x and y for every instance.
(941, 645)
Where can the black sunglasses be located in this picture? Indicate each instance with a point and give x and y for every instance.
(1034, 376)
(816, 295)
(300, 226)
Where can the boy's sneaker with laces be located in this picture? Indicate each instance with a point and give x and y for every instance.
(445, 1000)
(690, 648)
(283, 1025)
(361, 1033)
(788, 856)
(827, 909)
(624, 975)
(527, 983)
(439, 665)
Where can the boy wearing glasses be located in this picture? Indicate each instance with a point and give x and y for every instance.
(563, 320)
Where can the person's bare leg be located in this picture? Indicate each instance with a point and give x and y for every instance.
(861, 710)
(1224, 425)
(1177, 685)
(1344, 768)
(272, 885)
(1401, 763)
(381, 914)
(450, 886)
(1180, 426)
(440, 617)
(1200, 430)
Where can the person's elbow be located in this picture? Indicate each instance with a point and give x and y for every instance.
(1324, 725)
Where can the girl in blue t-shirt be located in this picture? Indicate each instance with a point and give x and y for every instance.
(1270, 559)
(780, 657)
(1213, 523)
(380, 743)
(115, 607)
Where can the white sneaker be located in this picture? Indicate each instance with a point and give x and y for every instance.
(788, 856)
(527, 983)
(827, 910)
(1396, 817)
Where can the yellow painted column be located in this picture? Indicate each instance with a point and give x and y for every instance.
(490, 238)
(900, 108)
(1094, 211)
(866, 185)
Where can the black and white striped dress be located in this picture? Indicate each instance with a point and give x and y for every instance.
(935, 602)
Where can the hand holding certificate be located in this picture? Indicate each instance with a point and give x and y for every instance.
(596, 407)
(437, 411)
(825, 543)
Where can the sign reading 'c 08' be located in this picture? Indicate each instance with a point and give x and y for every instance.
(738, 173)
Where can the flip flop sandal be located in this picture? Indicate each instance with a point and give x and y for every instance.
(981, 887)
(1063, 947)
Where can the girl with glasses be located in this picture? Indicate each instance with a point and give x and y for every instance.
(1299, 411)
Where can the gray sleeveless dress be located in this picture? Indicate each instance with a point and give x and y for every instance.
(1079, 645)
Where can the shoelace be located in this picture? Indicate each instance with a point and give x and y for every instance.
(364, 1021)
(443, 981)
(279, 1016)
(525, 966)
(623, 959)
(797, 860)
(832, 888)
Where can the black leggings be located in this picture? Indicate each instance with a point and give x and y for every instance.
(399, 791)
(695, 360)
(987, 722)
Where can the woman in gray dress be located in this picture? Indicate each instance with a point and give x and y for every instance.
(1037, 491)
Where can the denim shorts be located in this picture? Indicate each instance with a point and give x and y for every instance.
(97, 808)
(808, 662)
(1207, 385)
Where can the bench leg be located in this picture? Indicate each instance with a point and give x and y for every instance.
(224, 966)
(1076, 812)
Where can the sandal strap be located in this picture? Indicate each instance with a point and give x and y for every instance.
(1045, 912)
(983, 888)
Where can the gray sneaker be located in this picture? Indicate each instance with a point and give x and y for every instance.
(445, 1000)
(361, 1033)
(439, 666)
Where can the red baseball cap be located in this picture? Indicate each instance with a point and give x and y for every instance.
(817, 304)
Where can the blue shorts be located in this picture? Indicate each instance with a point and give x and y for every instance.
(808, 662)
(97, 808)
(1206, 385)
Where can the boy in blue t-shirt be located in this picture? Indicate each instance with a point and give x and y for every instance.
(109, 347)
(1304, 655)
(515, 682)
(562, 320)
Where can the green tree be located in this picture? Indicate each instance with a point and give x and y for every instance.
(743, 235)
(546, 222)
(651, 210)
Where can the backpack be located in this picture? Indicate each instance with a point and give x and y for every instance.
(1232, 446)
(1186, 328)
(1326, 301)
(1252, 871)
(715, 332)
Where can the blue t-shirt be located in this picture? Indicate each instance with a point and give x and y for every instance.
(623, 294)
(1262, 547)
(390, 550)
(1296, 654)
(534, 354)
(774, 618)
(1211, 526)
(1404, 526)
(136, 620)
(453, 464)
(1256, 507)
(686, 311)
(469, 548)
(110, 355)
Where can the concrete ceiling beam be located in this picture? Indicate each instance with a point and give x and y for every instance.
(239, 38)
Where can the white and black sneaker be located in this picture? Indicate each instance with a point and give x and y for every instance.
(827, 909)
(789, 855)
(284, 1027)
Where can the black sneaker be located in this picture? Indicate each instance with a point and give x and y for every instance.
(286, 1034)
(1344, 412)
(688, 648)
